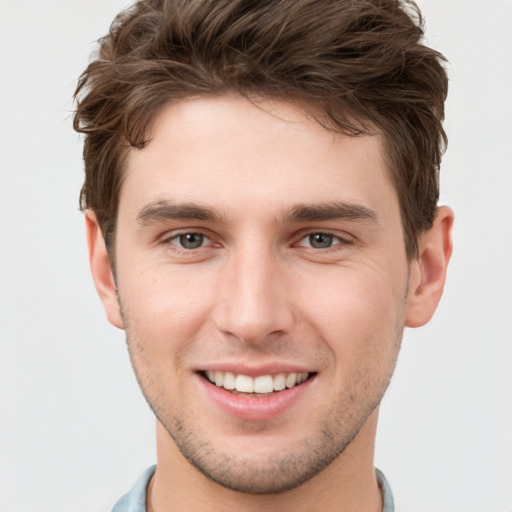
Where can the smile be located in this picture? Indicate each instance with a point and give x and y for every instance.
(262, 384)
(262, 395)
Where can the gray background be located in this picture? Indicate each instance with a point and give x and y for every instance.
(75, 431)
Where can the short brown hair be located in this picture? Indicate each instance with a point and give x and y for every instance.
(360, 64)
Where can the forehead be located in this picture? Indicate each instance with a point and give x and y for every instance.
(229, 153)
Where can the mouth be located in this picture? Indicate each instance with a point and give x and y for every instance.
(260, 396)
(258, 386)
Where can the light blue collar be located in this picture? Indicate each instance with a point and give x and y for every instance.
(135, 500)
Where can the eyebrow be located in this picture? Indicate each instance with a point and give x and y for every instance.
(331, 211)
(160, 211)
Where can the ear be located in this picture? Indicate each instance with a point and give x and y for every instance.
(428, 271)
(101, 270)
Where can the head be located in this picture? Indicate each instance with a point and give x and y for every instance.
(265, 175)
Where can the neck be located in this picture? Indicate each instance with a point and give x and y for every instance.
(348, 483)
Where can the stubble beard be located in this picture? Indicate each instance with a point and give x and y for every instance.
(275, 475)
(284, 471)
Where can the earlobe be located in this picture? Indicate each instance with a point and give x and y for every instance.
(101, 270)
(428, 272)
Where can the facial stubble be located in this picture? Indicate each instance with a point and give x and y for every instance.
(282, 471)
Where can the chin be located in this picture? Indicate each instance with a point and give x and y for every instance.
(275, 471)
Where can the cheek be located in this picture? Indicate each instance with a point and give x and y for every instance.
(164, 308)
(163, 316)
(359, 315)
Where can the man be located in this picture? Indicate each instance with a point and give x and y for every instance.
(261, 208)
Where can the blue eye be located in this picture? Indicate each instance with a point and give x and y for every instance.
(190, 240)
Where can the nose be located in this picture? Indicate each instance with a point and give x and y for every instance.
(254, 300)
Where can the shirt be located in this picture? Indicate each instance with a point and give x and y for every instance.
(135, 500)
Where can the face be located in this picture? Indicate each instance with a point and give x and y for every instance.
(263, 284)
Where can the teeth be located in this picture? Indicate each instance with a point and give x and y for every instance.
(264, 384)
(244, 384)
(301, 377)
(229, 381)
(261, 384)
(279, 382)
(291, 380)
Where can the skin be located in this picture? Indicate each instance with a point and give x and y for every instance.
(255, 186)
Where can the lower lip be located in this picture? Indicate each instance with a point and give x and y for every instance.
(255, 408)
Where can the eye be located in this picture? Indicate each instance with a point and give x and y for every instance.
(320, 241)
(189, 240)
